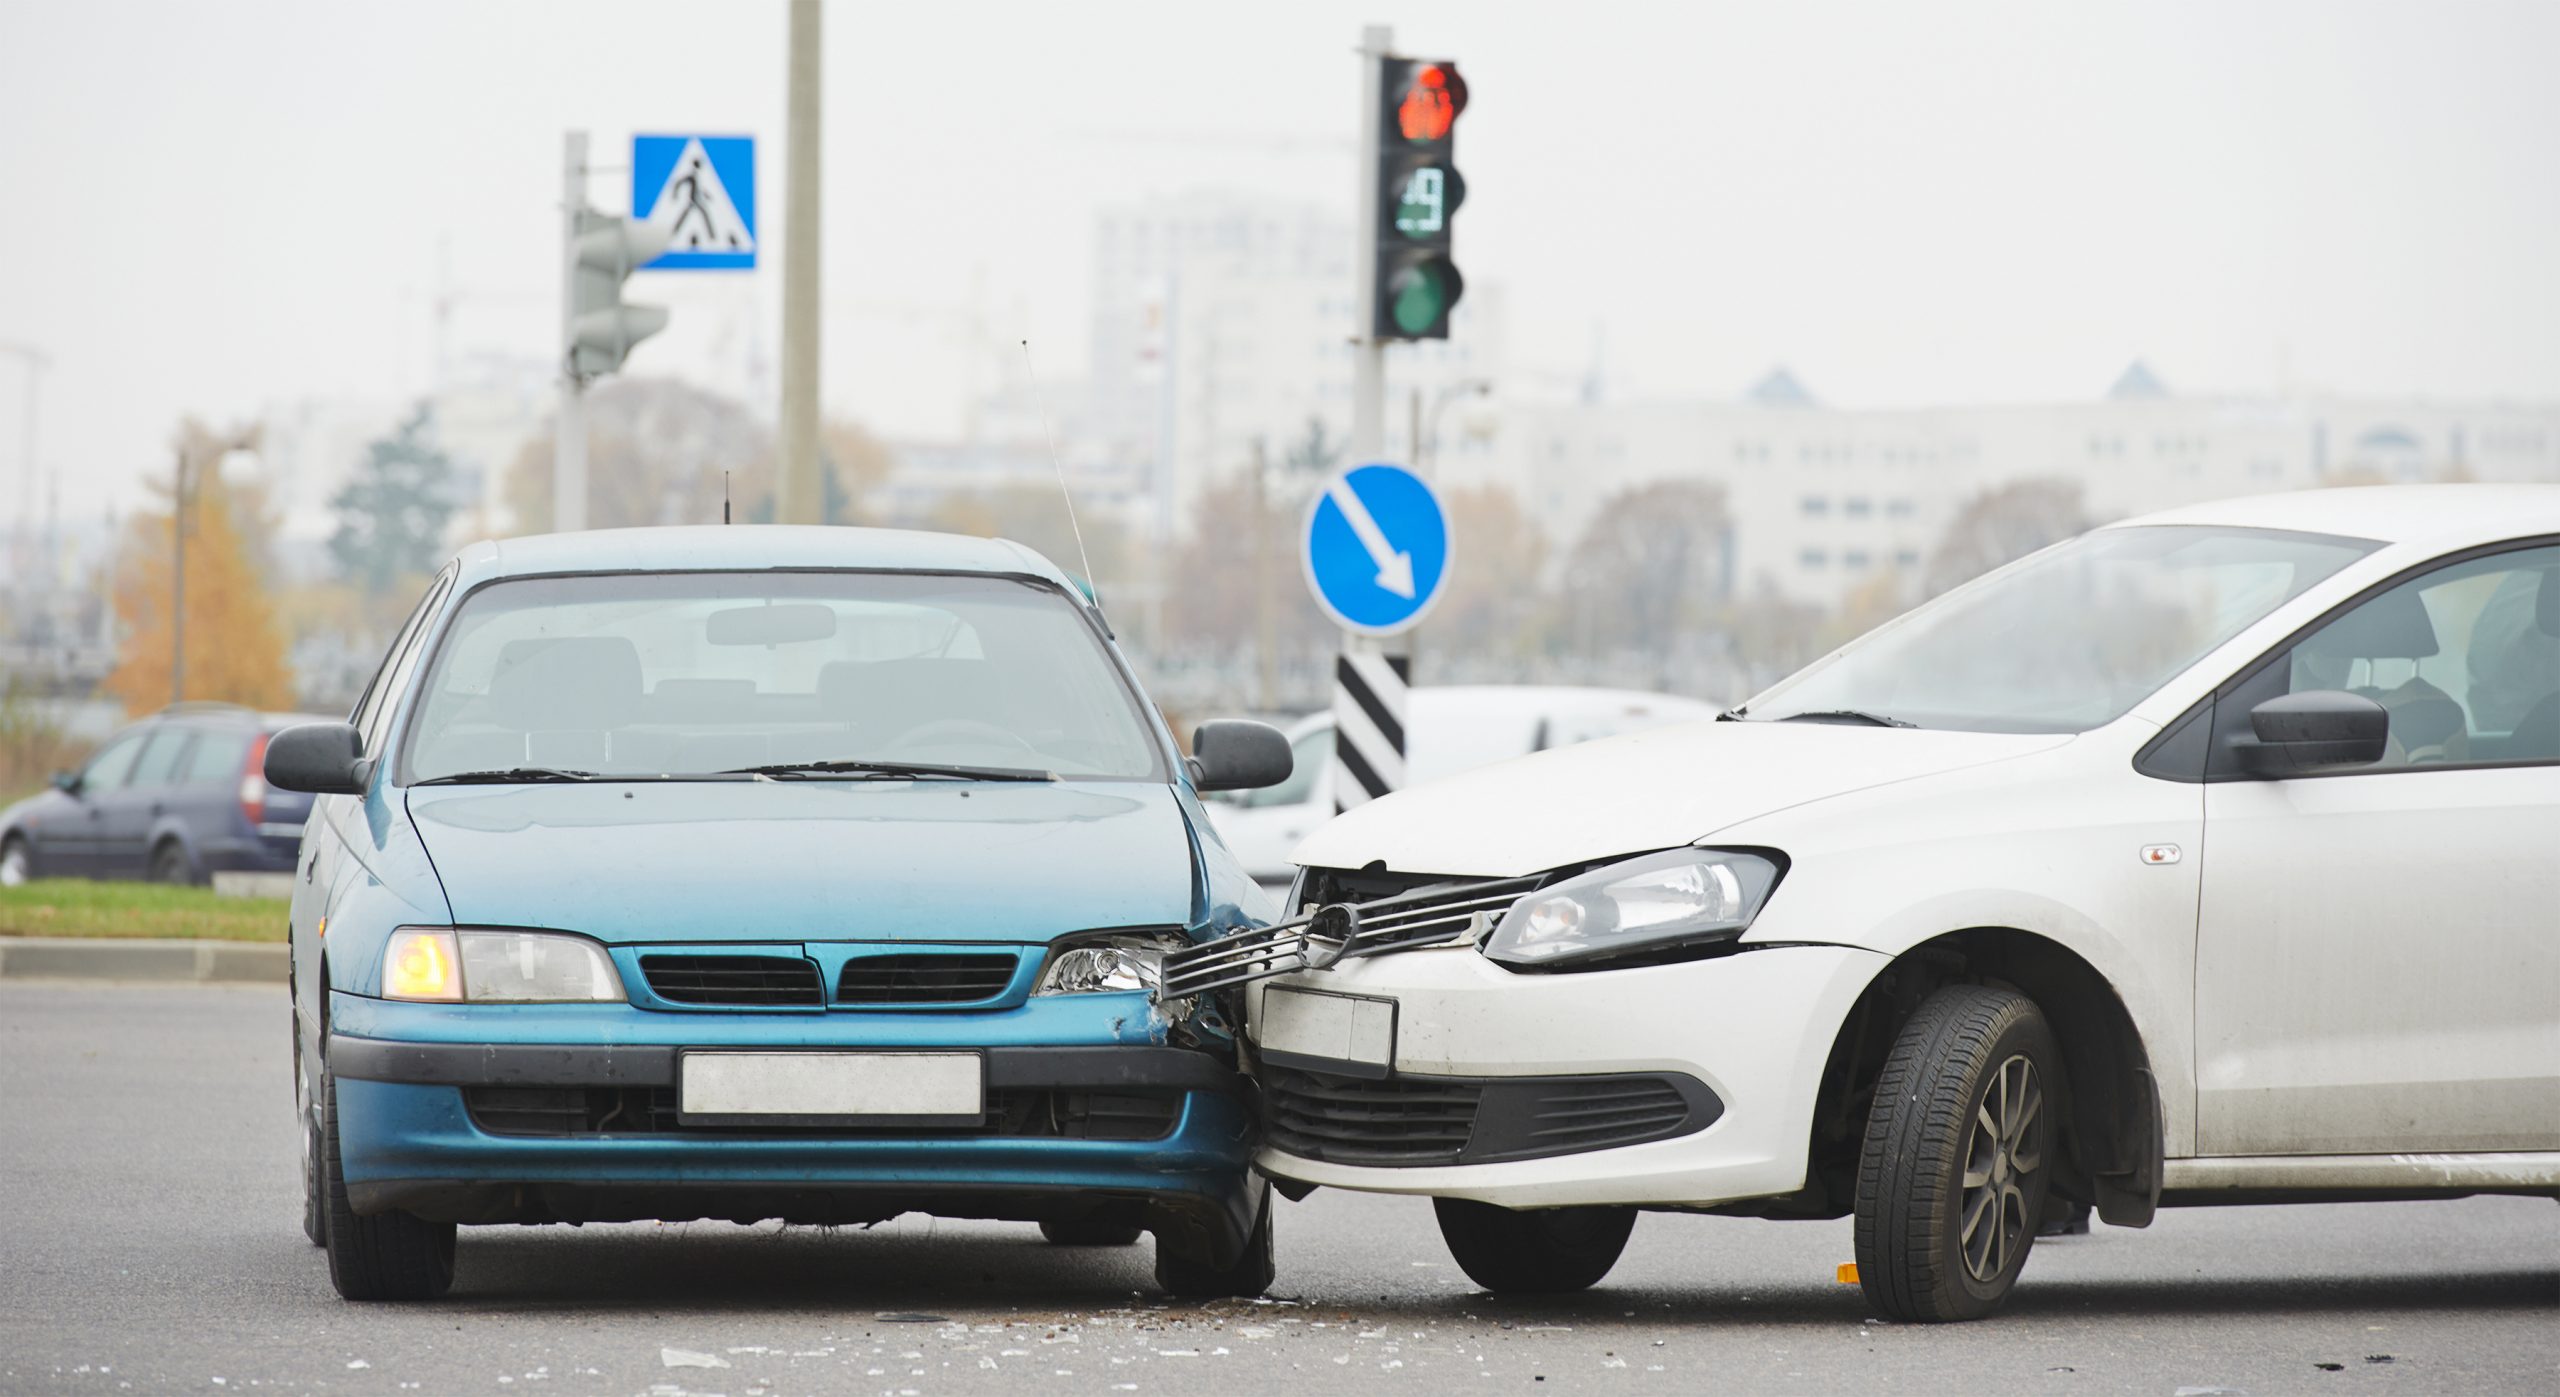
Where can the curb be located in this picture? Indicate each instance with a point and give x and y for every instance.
(143, 961)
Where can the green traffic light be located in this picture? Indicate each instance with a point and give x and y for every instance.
(1419, 297)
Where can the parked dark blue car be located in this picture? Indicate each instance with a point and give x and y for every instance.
(176, 798)
(747, 873)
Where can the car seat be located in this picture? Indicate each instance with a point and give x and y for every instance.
(2427, 725)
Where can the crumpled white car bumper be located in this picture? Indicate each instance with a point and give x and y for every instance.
(1754, 1027)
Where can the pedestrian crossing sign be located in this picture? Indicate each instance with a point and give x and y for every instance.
(701, 191)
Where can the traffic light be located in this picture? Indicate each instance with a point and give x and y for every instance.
(602, 328)
(1418, 189)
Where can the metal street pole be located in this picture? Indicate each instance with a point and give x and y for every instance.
(799, 498)
(21, 541)
(1368, 352)
(178, 585)
(569, 439)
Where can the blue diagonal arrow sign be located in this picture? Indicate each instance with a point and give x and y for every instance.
(1376, 548)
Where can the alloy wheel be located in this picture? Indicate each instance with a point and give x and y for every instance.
(2001, 1156)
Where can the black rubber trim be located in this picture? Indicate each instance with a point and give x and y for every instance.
(654, 1065)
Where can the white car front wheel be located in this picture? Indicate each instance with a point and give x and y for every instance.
(1958, 1156)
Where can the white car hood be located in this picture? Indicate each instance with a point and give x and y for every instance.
(1632, 794)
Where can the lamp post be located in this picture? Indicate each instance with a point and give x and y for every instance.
(1481, 387)
(239, 443)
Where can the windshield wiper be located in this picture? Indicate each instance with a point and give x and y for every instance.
(511, 773)
(895, 769)
(1848, 715)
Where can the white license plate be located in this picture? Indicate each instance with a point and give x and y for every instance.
(1342, 1028)
(816, 1087)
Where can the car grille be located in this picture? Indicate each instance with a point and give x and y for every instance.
(925, 979)
(1430, 915)
(1410, 1120)
(733, 980)
(1345, 1120)
(557, 1112)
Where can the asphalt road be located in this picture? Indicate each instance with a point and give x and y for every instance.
(150, 1242)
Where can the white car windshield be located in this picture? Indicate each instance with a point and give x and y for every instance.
(2067, 640)
(650, 674)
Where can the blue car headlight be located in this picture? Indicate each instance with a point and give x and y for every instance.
(1680, 897)
(487, 966)
(1117, 961)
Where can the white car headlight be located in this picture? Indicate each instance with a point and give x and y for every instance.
(497, 967)
(1104, 964)
(1644, 904)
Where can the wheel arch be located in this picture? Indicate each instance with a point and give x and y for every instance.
(2113, 1136)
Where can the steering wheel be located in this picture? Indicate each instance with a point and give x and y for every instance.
(963, 730)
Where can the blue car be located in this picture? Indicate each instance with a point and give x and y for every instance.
(175, 798)
(755, 873)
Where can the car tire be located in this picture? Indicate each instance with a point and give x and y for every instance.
(1250, 1274)
(1543, 1251)
(1952, 1177)
(315, 1212)
(16, 864)
(387, 1256)
(170, 864)
(1092, 1230)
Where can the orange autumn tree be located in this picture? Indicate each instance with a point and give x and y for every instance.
(235, 651)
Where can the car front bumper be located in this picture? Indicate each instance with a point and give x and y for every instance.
(416, 1131)
(1753, 1029)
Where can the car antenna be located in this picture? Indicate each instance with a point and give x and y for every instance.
(1050, 434)
(724, 497)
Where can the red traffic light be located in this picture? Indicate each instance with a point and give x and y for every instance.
(1434, 94)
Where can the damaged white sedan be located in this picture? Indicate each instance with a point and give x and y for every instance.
(2213, 857)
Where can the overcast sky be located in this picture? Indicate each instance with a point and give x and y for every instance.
(211, 207)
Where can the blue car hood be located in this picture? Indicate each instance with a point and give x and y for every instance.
(811, 860)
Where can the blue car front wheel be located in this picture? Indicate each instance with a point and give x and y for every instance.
(388, 1256)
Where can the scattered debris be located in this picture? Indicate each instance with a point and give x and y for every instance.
(355, 1363)
(687, 1358)
(2330, 1367)
(2378, 1358)
(899, 1318)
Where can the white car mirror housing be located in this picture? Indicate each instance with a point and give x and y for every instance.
(1680, 897)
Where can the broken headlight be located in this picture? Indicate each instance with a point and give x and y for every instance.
(1643, 904)
(1104, 964)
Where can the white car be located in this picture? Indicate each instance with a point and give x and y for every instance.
(1450, 729)
(2212, 857)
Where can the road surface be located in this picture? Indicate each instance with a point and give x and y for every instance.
(150, 1242)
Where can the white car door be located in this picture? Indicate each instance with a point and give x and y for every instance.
(2378, 957)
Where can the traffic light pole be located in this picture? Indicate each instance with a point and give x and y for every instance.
(1364, 670)
(1368, 352)
(800, 497)
(569, 444)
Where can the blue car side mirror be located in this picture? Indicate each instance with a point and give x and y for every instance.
(322, 758)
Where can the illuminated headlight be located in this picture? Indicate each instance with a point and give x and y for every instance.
(1105, 964)
(497, 967)
(1660, 900)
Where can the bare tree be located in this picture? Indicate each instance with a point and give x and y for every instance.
(2002, 525)
(1494, 605)
(1652, 559)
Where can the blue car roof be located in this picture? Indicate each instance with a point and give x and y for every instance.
(750, 548)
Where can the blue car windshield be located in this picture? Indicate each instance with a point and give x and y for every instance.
(654, 674)
(2067, 640)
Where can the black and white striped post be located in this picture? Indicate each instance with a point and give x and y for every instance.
(1377, 552)
(1369, 689)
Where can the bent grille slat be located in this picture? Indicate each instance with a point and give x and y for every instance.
(733, 981)
(1432, 915)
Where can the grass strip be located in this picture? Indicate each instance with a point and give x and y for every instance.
(78, 907)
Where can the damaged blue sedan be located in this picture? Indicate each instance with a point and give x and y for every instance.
(758, 873)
